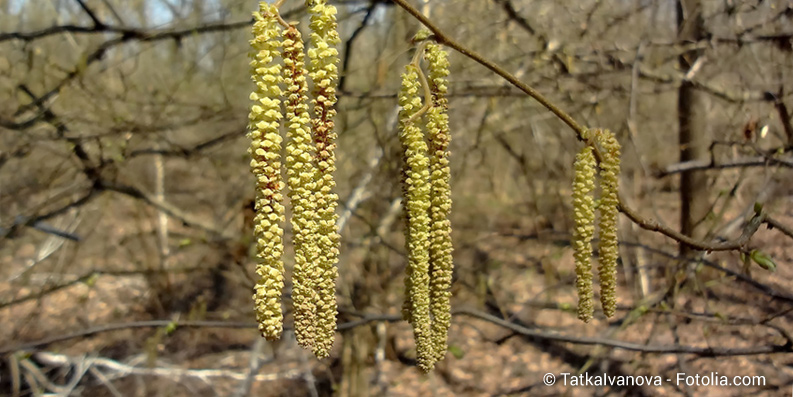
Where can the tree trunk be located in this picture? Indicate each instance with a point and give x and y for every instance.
(693, 128)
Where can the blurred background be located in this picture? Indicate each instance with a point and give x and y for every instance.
(125, 193)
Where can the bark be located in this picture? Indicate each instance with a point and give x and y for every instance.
(692, 122)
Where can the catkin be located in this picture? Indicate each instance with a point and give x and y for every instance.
(302, 174)
(440, 251)
(323, 72)
(264, 121)
(584, 217)
(416, 202)
(608, 250)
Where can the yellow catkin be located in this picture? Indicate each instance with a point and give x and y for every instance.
(416, 190)
(584, 218)
(302, 174)
(324, 74)
(441, 264)
(608, 250)
(264, 121)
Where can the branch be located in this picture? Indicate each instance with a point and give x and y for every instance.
(444, 39)
(164, 207)
(188, 152)
(512, 13)
(738, 244)
(60, 360)
(743, 278)
(584, 340)
(97, 22)
(729, 96)
(179, 324)
(126, 35)
(37, 220)
(784, 118)
(84, 278)
(348, 44)
(135, 33)
(775, 224)
(543, 335)
(707, 164)
(647, 224)
(254, 365)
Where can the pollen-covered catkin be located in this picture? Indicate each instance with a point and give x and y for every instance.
(441, 265)
(584, 218)
(324, 74)
(416, 190)
(608, 250)
(264, 121)
(301, 176)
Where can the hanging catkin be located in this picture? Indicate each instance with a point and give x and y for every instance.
(608, 250)
(323, 72)
(584, 217)
(302, 174)
(440, 253)
(265, 149)
(416, 189)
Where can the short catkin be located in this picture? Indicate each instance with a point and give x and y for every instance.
(301, 176)
(440, 253)
(323, 71)
(265, 149)
(608, 250)
(584, 218)
(416, 190)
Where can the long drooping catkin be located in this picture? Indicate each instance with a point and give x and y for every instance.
(440, 252)
(584, 217)
(264, 121)
(323, 72)
(608, 250)
(302, 175)
(416, 189)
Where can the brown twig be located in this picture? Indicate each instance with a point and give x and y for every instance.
(444, 39)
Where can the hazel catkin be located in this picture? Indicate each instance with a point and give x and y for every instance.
(263, 125)
(301, 180)
(440, 252)
(584, 218)
(416, 191)
(608, 250)
(323, 71)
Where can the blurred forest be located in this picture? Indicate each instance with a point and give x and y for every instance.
(125, 219)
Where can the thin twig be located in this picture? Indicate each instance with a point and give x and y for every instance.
(444, 39)
(97, 23)
(707, 164)
(775, 224)
(254, 365)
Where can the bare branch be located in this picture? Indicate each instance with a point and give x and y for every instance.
(443, 38)
(97, 22)
(759, 161)
(580, 131)
(543, 335)
(61, 360)
(775, 224)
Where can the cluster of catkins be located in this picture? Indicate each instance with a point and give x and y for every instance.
(310, 163)
(427, 202)
(584, 217)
